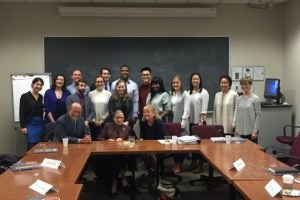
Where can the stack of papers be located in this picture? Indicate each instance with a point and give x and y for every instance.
(22, 166)
(223, 139)
(46, 150)
(283, 170)
(218, 139)
(188, 139)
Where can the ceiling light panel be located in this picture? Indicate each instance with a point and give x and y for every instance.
(75, 1)
(107, 1)
(139, 1)
(172, 1)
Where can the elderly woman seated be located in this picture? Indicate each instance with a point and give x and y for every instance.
(115, 131)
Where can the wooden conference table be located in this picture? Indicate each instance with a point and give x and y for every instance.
(256, 189)
(14, 185)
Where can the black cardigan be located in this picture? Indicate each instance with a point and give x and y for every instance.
(30, 107)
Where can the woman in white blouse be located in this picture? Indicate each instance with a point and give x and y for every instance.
(180, 103)
(225, 106)
(159, 98)
(99, 98)
(199, 98)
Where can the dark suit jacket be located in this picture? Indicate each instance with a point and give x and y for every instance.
(113, 131)
(65, 127)
(89, 108)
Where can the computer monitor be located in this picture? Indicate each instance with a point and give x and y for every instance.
(272, 88)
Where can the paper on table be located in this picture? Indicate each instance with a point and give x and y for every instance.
(273, 188)
(239, 164)
(51, 163)
(41, 187)
(161, 141)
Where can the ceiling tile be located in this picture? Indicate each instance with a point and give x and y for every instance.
(107, 1)
(140, 1)
(172, 1)
(204, 1)
(11, 1)
(42, 1)
(75, 1)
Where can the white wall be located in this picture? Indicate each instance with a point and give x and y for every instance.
(291, 73)
(256, 38)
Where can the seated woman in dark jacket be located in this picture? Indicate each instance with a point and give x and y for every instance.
(115, 131)
(151, 128)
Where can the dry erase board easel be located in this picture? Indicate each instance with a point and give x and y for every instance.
(21, 83)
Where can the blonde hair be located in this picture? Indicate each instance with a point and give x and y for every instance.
(115, 94)
(152, 109)
(246, 79)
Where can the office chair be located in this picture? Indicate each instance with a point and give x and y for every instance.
(206, 132)
(286, 139)
(48, 133)
(293, 159)
(170, 129)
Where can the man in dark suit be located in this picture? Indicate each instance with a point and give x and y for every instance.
(88, 112)
(72, 126)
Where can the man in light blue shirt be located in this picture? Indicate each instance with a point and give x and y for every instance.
(132, 90)
(76, 76)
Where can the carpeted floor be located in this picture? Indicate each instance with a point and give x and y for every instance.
(93, 190)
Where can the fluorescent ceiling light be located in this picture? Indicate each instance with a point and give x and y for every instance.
(136, 12)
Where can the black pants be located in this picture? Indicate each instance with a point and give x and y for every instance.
(112, 166)
(179, 158)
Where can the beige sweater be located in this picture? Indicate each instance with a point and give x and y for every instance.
(225, 110)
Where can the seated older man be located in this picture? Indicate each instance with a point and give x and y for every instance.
(72, 126)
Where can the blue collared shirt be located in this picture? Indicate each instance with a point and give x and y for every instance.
(133, 91)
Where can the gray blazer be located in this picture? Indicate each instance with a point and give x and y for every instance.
(89, 108)
(67, 127)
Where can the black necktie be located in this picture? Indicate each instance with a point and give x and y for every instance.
(106, 87)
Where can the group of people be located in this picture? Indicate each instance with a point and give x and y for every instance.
(108, 110)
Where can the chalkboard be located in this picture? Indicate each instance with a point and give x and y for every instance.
(21, 83)
(166, 56)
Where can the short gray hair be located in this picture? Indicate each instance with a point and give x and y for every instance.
(246, 79)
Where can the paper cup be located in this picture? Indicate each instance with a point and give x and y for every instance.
(288, 181)
(65, 142)
(174, 139)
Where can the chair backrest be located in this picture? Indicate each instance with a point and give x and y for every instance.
(171, 128)
(208, 131)
(295, 151)
(48, 134)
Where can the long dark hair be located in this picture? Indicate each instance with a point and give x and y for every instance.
(157, 80)
(54, 80)
(200, 84)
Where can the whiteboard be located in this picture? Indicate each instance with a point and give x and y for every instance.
(21, 83)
